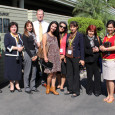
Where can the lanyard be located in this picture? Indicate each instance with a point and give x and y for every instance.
(17, 37)
(71, 40)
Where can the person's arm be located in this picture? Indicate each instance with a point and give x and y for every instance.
(25, 41)
(7, 43)
(82, 50)
(44, 40)
(103, 49)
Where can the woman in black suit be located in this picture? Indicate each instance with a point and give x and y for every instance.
(13, 58)
(74, 56)
(92, 43)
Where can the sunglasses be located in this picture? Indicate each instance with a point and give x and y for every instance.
(62, 27)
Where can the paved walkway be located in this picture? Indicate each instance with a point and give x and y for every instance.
(41, 104)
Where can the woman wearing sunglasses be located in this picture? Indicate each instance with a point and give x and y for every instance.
(63, 37)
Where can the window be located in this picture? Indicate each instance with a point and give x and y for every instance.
(4, 25)
(0, 25)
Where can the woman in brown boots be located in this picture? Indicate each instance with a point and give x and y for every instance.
(50, 39)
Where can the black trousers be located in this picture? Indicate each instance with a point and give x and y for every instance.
(93, 69)
(73, 77)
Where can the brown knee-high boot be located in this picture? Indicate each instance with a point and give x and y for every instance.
(48, 89)
(52, 89)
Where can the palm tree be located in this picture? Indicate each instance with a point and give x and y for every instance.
(96, 9)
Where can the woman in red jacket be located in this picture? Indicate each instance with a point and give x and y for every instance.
(63, 37)
(108, 50)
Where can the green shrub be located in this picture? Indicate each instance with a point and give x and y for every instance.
(84, 22)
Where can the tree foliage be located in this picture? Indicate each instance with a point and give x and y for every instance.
(84, 22)
(96, 9)
(112, 3)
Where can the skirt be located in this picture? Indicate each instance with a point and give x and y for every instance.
(109, 70)
(13, 68)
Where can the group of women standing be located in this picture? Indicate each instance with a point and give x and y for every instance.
(66, 52)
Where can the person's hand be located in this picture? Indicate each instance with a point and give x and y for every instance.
(34, 58)
(82, 62)
(65, 60)
(20, 49)
(62, 57)
(46, 59)
(95, 49)
(38, 44)
(102, 48)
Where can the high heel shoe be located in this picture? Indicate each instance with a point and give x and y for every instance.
(110, 100)
(105, 99)
(47, 89)
(52, 89)
(12, 91)
(19, 90)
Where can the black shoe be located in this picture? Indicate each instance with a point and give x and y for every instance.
(67, 93)
(74, 95)
(62, 90)
(89, 93)
(0, 91)
(29, 92)
(12, 91)
(19, 90)
(35, 90)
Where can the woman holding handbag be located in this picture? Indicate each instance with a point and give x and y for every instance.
(108, 49)
(30, 57)
(53, 56)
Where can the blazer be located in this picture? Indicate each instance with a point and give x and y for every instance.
(9, 42)
(28, 44)
(91, 56)
(78, 46)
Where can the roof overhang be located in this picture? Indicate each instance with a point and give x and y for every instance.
(65, 2)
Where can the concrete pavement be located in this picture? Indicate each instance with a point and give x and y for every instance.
(41, 104)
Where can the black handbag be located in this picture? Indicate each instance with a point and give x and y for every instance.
(48, 65)
(106, 45)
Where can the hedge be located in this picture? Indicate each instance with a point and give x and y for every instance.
(84, 22)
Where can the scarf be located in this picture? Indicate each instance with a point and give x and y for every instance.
(91, 40)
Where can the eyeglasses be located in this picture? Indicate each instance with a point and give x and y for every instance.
(62, 27)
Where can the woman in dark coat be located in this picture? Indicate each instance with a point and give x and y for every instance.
(30, 57)
(92, 43)
(13, 58)
(74, 56)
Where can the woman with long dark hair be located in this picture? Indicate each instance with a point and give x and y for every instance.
(92, 43)
(63, 37)
(53, 56)
(30, 57)
(108, 49)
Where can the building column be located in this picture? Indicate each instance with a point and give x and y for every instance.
(21, 3)
(14, 3)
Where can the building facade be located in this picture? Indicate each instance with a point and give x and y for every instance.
(22, 10)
